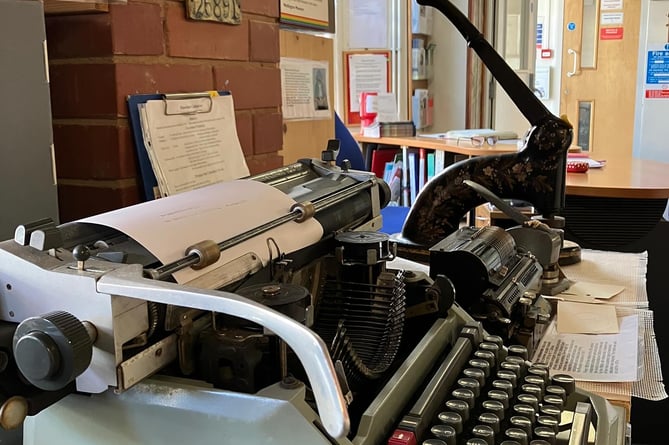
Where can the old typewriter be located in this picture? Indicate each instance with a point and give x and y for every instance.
(270, 310)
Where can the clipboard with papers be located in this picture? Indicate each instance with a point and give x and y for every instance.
(185, 141)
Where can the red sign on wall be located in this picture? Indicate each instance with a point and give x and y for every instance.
(615, 33)
(657, 94)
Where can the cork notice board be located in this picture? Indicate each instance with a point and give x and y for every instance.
(307, 138)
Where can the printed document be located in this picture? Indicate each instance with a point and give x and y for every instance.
(192, 143)
(596, 358)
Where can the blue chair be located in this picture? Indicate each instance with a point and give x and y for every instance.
(393, 216)
(349, 148)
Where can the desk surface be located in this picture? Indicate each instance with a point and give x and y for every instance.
(622, 178)
(619, 178)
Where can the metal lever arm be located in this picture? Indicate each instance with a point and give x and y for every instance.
(574, 53)
(309, 348)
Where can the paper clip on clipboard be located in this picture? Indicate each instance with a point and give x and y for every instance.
(149, 182)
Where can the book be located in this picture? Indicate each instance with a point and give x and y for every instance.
(412, 167)
(422, 168)
(380, 157)
(430, 165)
(390, 129)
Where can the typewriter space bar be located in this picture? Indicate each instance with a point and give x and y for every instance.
(422, 413)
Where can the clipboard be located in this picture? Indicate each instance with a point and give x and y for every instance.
(149, 181)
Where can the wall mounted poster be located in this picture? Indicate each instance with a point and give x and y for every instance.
(312, 14)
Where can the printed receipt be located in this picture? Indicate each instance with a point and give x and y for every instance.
(595, 358)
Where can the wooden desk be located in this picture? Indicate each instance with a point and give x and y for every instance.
(622, 178)
(438, 144)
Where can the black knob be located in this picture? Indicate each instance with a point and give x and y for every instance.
(52, 350)
(81, 252)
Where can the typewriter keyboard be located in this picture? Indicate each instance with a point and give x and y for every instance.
(486, 394)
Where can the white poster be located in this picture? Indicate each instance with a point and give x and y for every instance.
(611, 4)
(611, 18)
(304, 89)
(368, 24)
(367, 73)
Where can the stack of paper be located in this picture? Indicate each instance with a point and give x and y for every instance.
(192, 142)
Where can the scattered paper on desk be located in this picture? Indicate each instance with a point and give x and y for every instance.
(597, 358)
(584, 318)
(593, 290)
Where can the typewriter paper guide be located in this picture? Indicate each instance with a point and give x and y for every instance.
(167, 226)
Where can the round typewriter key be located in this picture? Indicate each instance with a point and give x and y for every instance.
(471, 384)
(466, 395)
(565, 381)
(476, 374)
(510, 442)
(535, 380)
(500, 396)
(521, 422)
(535, 390)
(495, 407)
(492, 347)
(488, 356)
(434, 442)
(476, 441)
(522, 363)
(459, 406)
(548, 422)
(451, 418)
(510, 376)
(519, 351)
(552, 399)
(444, 432)
(557, 391)
(520, 409)
(503, 385)
(511, 367)
(551, 411)
(499, 341)
(545, 433)
(481, 364)
(528, 399)
(484, 432)
(491, 420)
(539, 442)
(541, 372)
(516, 434)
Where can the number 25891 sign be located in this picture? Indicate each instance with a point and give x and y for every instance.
(224, 11)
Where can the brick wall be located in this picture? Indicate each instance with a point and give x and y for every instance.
(97, 60)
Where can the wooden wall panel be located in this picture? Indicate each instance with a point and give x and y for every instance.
(306, 139)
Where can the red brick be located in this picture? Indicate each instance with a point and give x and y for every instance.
(205, 40)
(245, 132)
(94, 152)
(251, 86)
(264, 41)
(79, 201)
(267, 132)
(262, 163)
(78, 36)
(261, 7)
(137, 28)
(83, 90)
(141, 79)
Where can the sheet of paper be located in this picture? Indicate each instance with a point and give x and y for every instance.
(367, 72)
(583, 318)
(593, 290)
(364, 15)
(304, 89)
(192, 143)
(167, 226)
(598, 358)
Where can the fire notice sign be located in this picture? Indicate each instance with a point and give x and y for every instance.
(657, 75)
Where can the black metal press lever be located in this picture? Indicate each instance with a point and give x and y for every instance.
(536, 173)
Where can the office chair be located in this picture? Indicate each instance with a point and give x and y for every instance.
(393, 216)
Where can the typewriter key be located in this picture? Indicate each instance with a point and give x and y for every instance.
(451, 418)
(471, 384)
(444, 432)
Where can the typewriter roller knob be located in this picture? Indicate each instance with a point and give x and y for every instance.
(52, 350)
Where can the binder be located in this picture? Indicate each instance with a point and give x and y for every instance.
(148, 177)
